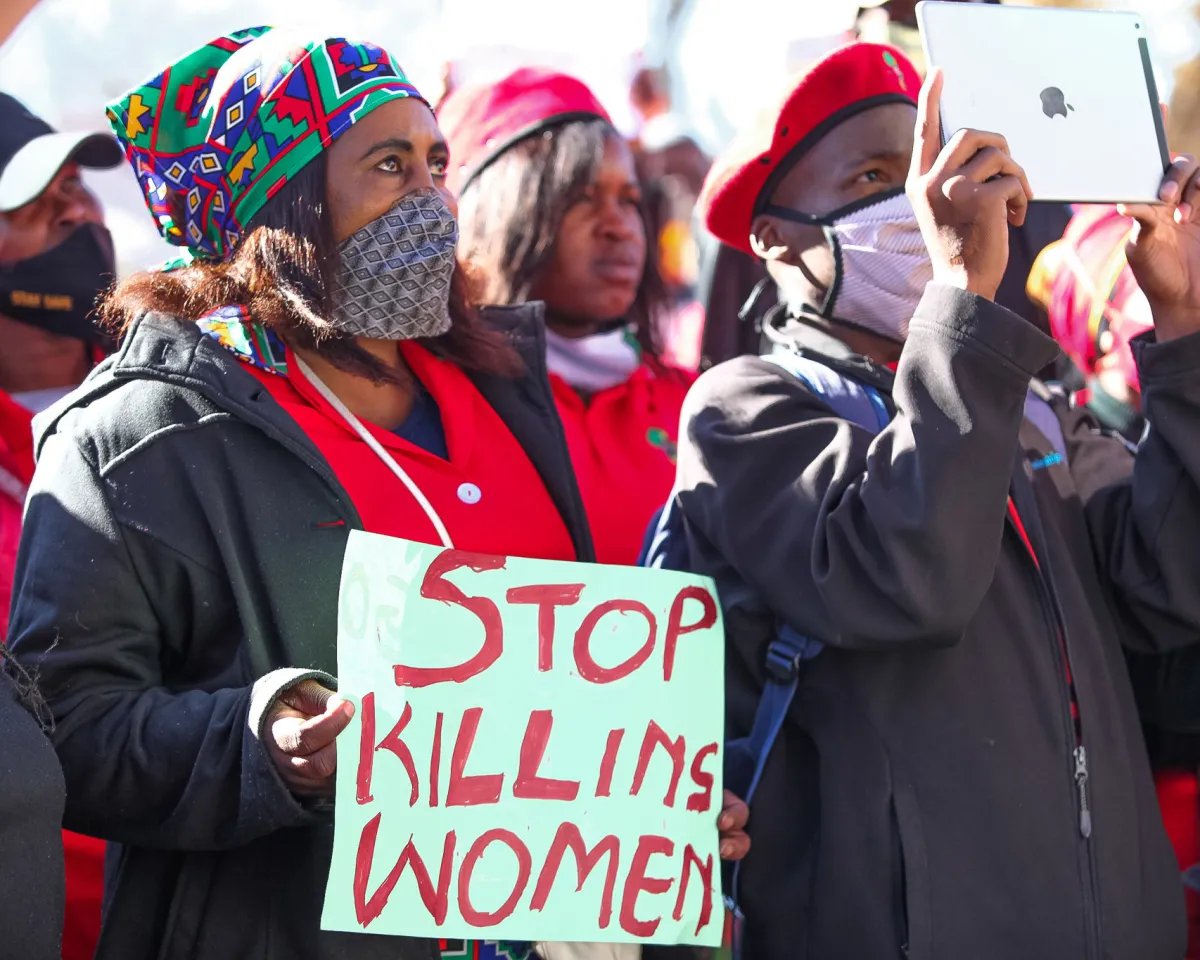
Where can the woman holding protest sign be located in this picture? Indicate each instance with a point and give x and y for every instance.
(313, 366)
(551, 210)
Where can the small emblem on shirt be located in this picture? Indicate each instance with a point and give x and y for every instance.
(658, 438)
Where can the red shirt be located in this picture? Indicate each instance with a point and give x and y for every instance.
(488, 494)
(622, 443)
(84, 856)
(16, 470)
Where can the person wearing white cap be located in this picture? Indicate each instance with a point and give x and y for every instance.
(56, 257)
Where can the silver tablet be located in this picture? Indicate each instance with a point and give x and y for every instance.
(1072, 91)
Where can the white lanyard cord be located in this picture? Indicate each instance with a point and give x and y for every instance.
(388, 460)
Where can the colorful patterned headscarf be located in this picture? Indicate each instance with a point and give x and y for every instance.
(228, 125)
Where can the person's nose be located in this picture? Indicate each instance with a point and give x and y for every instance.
(76, 206)
(421, 179)
(618, 222)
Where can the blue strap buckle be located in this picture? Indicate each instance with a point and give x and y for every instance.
(787, 651)
(783, 662)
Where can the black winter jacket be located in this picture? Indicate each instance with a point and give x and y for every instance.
(179, 565)
(31, 851)
(927, 798)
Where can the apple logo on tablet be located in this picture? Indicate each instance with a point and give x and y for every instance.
(1054, 103)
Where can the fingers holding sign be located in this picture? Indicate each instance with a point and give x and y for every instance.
(735, 842)
(964, 196)
(301, 734)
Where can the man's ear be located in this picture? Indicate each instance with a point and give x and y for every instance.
(766, 238)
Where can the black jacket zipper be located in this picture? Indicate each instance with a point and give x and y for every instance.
(1079, 774)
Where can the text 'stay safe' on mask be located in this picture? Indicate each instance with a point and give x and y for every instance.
(881, 264)
(394, 277)
(57, 290)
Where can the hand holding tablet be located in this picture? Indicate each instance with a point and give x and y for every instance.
(1071, 91)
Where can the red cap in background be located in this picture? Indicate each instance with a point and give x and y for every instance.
(851, 79)
(481, 122)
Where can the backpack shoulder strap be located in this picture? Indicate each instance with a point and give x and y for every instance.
(850, 399)
(1039, 410)
(859, 403)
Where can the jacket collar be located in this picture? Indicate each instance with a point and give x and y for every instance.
(792, 332)
(162, 347)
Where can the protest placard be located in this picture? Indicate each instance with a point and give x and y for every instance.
(535, 753)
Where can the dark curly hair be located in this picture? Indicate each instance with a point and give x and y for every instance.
(510, 214)
(26, 687)
(283, 273)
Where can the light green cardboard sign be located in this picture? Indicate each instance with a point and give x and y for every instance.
(535, 753)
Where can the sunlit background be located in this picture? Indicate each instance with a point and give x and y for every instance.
(725, 57)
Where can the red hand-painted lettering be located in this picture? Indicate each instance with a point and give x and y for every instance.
(396, 746)
(569, 838)
(588, 668)
(528, 785)
(676, 749)
(705, 869)
(701, 800)
(465, 791)
(546, 597)
(366, 749)
(479, 918)
(637, 882)
(368, 908)
(676, 627)
(611, 748)
(435, 586)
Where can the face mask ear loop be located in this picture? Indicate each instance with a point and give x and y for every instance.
(835, 288)
(771, 329)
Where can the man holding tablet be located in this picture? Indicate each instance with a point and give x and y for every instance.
(961, 772)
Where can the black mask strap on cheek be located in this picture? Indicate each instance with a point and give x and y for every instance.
(839, 273)
(826, 224)
(829, 219)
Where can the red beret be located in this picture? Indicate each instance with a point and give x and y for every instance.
(483, 121)
(851, 79)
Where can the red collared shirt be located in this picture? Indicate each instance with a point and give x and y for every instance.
(622, 442)
(83, 856)
(488, 494)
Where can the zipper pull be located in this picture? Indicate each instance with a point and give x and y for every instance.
(1081, 781)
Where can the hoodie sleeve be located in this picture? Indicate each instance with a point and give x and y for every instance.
(860, 541)
(144, 764)
(1144, 512)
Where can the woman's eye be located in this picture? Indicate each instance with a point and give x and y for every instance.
(438, 167)
(389, 165)
(871, 176)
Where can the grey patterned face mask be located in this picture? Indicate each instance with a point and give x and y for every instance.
(394, 278)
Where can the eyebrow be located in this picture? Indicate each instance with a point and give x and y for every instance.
(402, 146)
(898, 156)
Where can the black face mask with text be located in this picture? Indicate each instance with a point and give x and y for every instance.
(56, 291)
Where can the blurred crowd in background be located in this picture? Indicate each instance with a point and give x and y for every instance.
(678, 79)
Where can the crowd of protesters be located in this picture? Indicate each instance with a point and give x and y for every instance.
(465, 323)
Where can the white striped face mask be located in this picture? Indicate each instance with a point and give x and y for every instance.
(881, 264)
